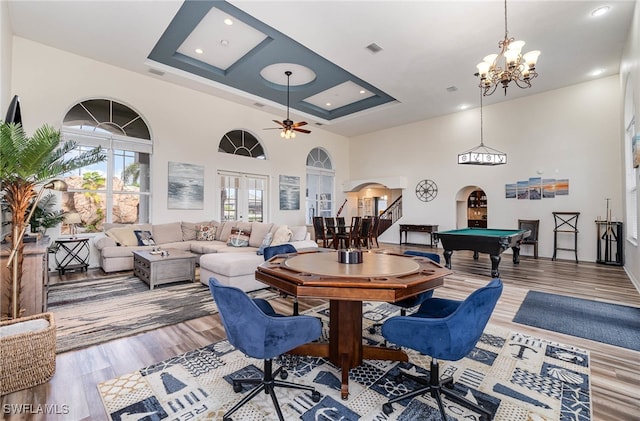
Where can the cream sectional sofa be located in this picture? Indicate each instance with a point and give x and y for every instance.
(117, 242)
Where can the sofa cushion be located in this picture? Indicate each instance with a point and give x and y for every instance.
(205, 247)
(298, 233)
(102, 241)
(189, 229)
(167, 233)
(239, 238)
(281, 236)
(266, 242)
(258, 232)
(123, 236)
(206, 232)
(144, 238)
(224, 231)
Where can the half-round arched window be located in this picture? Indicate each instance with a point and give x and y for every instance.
(320, 185)
(241, 142)
(319, 158)
(106, 116)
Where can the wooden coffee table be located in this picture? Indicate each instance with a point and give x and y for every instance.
(155, 269)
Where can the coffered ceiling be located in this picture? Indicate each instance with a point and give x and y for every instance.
(358, 66)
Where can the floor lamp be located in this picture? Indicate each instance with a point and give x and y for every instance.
(58, 185)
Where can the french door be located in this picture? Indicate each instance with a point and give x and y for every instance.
(243, 196)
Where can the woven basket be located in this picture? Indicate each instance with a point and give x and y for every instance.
(27, 359)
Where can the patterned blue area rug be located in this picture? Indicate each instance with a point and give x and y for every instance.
(517, 377)
(611, 324)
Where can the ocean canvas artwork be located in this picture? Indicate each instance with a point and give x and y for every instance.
(186, 186)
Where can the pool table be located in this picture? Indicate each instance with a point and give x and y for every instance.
(483, 240)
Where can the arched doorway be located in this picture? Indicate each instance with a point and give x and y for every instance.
(471, 207)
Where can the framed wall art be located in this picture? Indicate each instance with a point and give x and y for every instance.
(289, 192)
(185, 189)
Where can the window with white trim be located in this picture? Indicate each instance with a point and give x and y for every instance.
(319, 200)
(632, 160)
(117, 190)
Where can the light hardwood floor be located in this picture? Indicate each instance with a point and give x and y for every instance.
(615, 372)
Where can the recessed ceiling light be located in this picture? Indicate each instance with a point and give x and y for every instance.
(600, 11)
(362, 91)
(597, 72)
(228, 21)
(224, 42)
(328, 104)
(463, 106)
(199, 51)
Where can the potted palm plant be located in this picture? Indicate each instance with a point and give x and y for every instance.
(26, 162)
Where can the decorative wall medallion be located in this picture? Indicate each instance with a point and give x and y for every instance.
(426, 190)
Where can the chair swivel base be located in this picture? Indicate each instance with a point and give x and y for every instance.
(436, 387)
(268, 383)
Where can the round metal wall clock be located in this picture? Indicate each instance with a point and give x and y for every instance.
(426, 190)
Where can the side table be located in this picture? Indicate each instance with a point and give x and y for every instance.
(71, 254)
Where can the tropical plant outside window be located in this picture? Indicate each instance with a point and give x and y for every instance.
(117, 190)
(320, 181)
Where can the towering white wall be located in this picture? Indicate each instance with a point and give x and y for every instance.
(571, 133)
(186, 125)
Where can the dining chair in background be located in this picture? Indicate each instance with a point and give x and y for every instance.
(348, 238)
(375, 227)
(364, 236)
(330, 228)
(320, 231)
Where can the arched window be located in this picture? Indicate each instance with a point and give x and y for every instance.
(118, 189)
(241, 142)
(320, 185)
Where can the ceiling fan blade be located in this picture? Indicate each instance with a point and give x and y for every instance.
(301, 123)
(301, 130)
(272, 128)
(279, 122)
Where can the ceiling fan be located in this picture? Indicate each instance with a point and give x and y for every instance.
(289, 128)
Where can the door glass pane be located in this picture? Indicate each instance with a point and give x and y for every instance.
(229, 197)
(255, 199)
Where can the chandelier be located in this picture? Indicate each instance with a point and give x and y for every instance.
(508, 66)
(481, 154)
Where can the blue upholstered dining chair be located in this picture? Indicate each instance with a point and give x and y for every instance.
(443, 329)
(271, 251)
(254, 328)
(416, 300)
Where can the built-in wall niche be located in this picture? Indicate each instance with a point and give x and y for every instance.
(477, 209)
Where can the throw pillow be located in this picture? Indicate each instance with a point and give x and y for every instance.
(299, 233)
(281, 236)
(123, 236)
(239, 238)
(266, 242)
(144, 238)
(205, 232)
